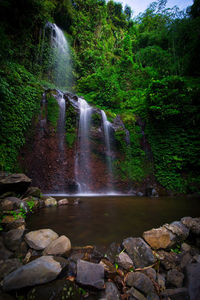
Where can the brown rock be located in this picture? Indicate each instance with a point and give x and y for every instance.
(160, 238)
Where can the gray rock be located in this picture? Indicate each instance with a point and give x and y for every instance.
(40, 239)
(175, 294)
(113, 251)
(63, 202)
(180, 230)
(193, 280)
(90, 274)
(175, 278)
(111, 292)
(124, 261)
(140, 253)
(13, 238)
(192, 223)
(160, 238)
(60, 246)
(50, 202)
(151, 273)
(9, 265)
(4, 252)
(41, 270)
(140, 281)
(17, 183)
(136, 294)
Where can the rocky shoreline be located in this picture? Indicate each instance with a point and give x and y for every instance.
(162, 264)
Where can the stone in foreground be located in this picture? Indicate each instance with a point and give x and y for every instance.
(140, 253)
(90, 274)
(140, 281)
(124, 261)
(160, 238)
(9, 265)
(41, 270)
(40, 239)
(13, 238)
(60, 246)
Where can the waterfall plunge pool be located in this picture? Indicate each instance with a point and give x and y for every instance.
(103, 220)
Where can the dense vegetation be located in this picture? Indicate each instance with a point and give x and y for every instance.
(145, 68)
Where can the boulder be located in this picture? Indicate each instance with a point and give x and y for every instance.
(50, 201)
(151, 273)
(63, 202)
(17, 183)
(140, 281)
(160, 238)
(193, 224)
(179, 229)
(124, 261)
(111, 292)
(41, 270)
(40, 239)
(60, 246)
(90, 274)
(193, 280)
(9, 265)
(140, 253)
(13, 238)
(113, 251)
(175, 278)
(4, 252)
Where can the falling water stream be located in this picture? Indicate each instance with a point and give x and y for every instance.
(83, 155)
(107, 128)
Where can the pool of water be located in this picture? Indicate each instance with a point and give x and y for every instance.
(102, 220)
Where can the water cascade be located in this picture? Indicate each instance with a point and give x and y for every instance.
(107, 128)
(83, 155)
(60, 60)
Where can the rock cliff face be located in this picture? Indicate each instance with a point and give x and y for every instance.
(53, 171)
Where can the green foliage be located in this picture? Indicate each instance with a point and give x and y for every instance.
(52, 110)
(20, 96)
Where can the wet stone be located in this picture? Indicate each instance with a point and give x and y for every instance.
(124, 261)
(111, 292)
(193, 224)
(40, 239)
(90, 274)
(41, 270)
(140, 253)
(140, 281)
(60, 246)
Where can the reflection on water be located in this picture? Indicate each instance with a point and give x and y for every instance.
(102, 220)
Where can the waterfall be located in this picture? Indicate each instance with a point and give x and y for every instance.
(107, 128)
(83, 155)
(61, 123)
(60, 58)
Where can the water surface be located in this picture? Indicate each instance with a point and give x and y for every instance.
(102, 220)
